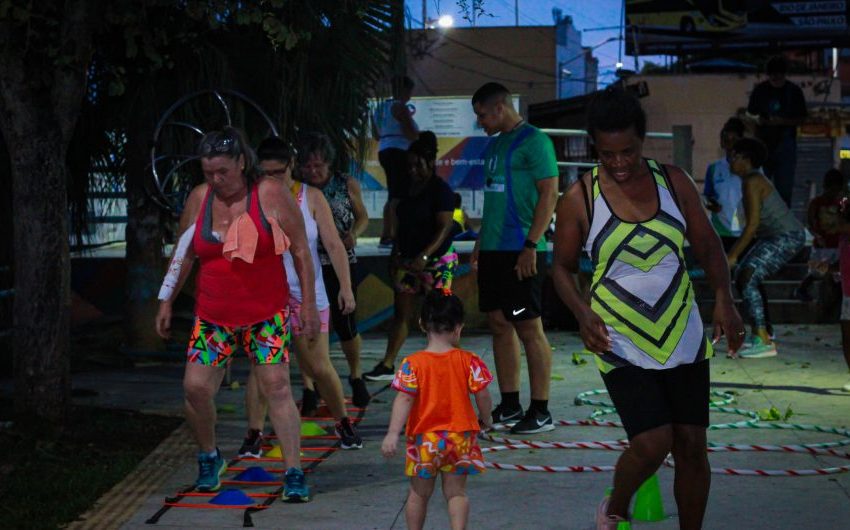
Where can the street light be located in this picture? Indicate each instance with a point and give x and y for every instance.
(583, 52)
(561, 73)
(444, 22)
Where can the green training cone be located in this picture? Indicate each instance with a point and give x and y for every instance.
(648, 506)
(311, 428)
(277, 452)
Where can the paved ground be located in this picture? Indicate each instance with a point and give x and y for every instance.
(360, 489)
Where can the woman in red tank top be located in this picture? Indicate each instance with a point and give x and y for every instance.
(242, 223)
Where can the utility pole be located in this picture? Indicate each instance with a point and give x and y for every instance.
(424, 14)
(622, 33)
(516, 12)
(558, 81)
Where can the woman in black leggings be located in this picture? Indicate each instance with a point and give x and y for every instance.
(315, 160)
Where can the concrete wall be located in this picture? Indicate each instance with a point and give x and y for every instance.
(705, 101)
(456, 61)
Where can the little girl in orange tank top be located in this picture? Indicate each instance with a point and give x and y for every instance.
(442, 427)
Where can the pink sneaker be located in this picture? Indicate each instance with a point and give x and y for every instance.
(608, 522)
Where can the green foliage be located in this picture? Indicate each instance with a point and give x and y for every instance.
(310, 64)
(472, 9)
(773, 414)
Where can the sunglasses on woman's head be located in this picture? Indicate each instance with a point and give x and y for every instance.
(219, 146)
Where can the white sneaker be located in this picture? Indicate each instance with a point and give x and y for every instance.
(846, 387)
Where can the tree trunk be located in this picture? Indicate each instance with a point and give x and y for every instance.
(143, 234)
(39, 106)
(41, 309)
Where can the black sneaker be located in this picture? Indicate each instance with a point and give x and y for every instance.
(380, 373)
(252, 445)
(360, 396)
(506, 416)
(309, 402)
(534, 422)
(348, 436)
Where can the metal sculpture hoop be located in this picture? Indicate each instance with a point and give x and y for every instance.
(178, 131)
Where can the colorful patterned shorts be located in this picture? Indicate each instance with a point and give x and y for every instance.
(437, 274)
(443, 451)
(265, 342)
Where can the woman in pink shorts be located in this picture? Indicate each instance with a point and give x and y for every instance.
(276, 159)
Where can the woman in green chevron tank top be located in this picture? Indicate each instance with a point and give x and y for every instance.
(632, 216)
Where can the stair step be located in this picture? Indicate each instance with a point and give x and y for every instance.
(777, 301)
(782, 311)
(776, 289)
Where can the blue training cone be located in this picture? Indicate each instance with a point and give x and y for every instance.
(231, 497)
(255, 474)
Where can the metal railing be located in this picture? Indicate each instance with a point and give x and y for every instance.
(582, 132)
(680, 136)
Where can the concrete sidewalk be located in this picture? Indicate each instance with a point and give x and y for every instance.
(360, 489)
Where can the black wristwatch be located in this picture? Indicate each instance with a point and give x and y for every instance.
(529, 244)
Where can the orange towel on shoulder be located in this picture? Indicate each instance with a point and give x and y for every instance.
(241, 239)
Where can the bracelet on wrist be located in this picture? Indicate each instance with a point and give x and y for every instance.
(529, 244)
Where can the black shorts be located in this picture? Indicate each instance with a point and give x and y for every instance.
(345, 326)
(394, 162)
(646, 398)
(499, 288)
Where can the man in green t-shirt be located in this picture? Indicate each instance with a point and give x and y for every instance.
(520, 191)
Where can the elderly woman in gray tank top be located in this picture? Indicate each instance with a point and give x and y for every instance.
(776, 237)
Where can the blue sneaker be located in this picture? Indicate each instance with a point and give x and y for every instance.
(210, 470)
(295, 486)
